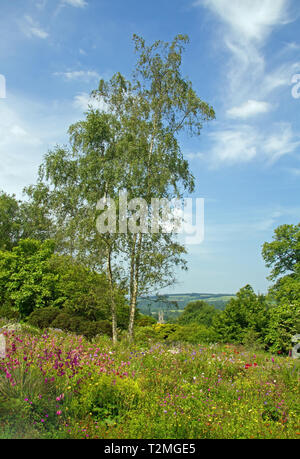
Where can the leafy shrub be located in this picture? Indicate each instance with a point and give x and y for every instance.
(26, 281)
(145, 321)
(8, 312)
(198, 312)
(247, 311)
(81, 326)
(32, 277)
(106, 398)
(43, 317)
(163, 331)
(62, 321)
(195, 334)
(284, 323)
(100, 327)
(143, 334)
(253, 340)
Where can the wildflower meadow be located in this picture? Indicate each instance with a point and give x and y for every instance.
(58, 385)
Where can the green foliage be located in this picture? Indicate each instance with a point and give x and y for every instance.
(174, 333)
(29, 383)
(10, 221)
(145, 321)
(60, 319)
(55, 290)
(44, 317)
(26, 280)
(107, 399)
(170, 390)
(283, 324)
(283, 253)
(81, 291)
(194, 334)
(7, 311)
(144, 334)
(198, 312)
(81, 326)
(246, 313)
(22, 220)
(287, 288)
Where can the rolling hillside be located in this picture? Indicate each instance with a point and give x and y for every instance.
(174, 304)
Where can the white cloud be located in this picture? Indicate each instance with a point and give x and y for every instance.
(193, 156)
(75, 3)
(243, 30)
(250, 20)
(85, 75)
(234, 145)
(32, 28)
(245, 143)
(249, 109)
(83, 101)
(245, 27)
(281, 142)
(280, 77)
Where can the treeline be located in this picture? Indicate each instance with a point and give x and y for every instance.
(49, 289)
(262, 321)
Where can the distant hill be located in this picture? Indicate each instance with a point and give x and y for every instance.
(174, 304)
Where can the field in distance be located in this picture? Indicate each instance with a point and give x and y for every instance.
(175, 303)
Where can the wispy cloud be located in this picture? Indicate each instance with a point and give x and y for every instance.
(245, 27)
(32, 29)
(243, 31)
(245, 143)
(281, 142)
(41, 4)
(249, 20)
(84, 75)
(234, 145)
(75, 3)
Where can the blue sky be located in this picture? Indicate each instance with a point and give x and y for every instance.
(242, 57)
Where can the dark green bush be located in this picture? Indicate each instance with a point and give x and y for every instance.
(62, 321)
(43, 317)
(7, 312)
(51, 317)
(100, 327)
(197, 312)
(145, 321)
(194, 334)
(81, 326)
